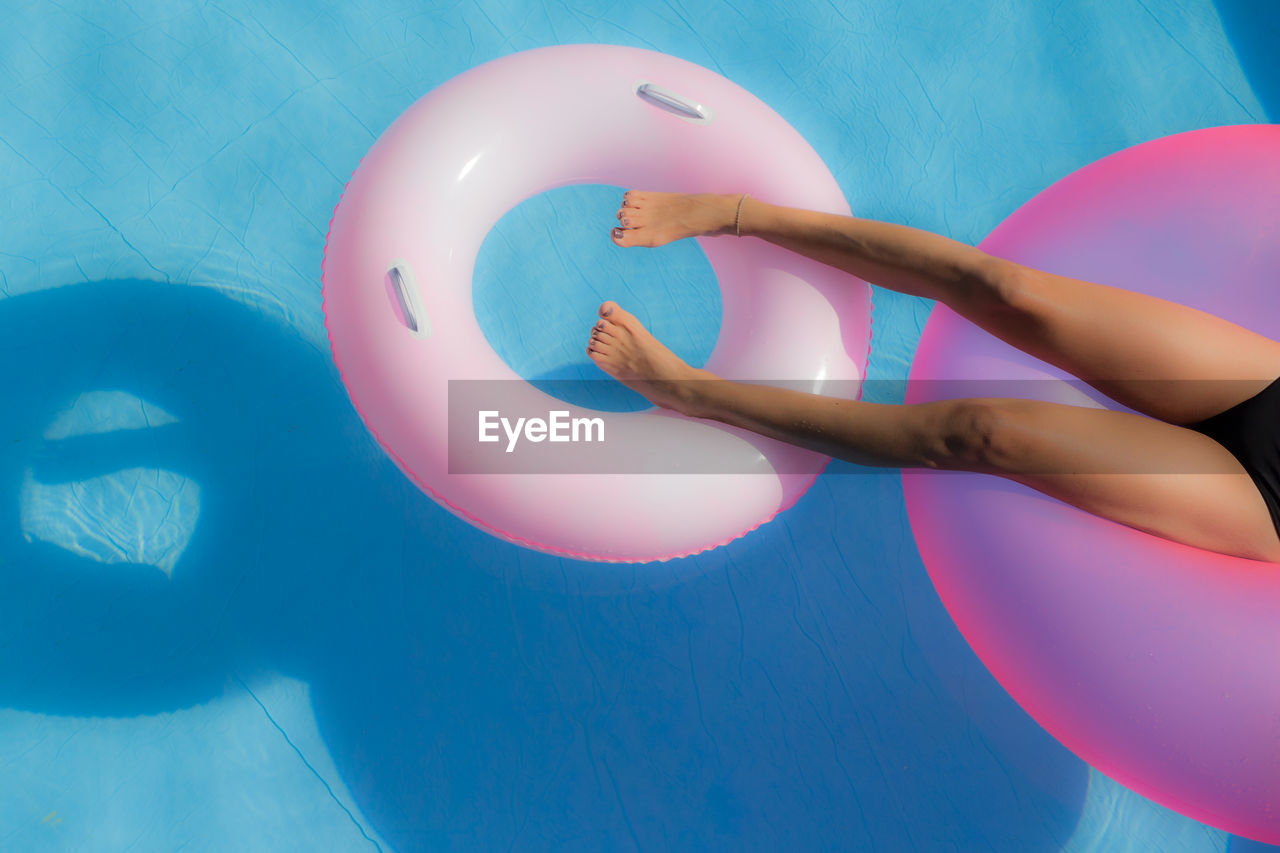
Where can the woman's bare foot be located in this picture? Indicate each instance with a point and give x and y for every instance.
(655, 219)
(624, 349)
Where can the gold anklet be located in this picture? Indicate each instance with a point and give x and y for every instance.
(737, 219)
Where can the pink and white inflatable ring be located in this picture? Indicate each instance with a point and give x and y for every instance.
(1155, 662)
(398, 302)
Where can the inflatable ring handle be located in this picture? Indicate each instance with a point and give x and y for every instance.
(408, 307)
(673, 103)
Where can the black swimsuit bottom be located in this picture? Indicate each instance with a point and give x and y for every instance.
(1251, 431)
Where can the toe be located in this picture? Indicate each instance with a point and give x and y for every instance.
(632, 218)
(629, 237)
(620, 321)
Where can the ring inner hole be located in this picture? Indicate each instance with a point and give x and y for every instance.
(545, 267)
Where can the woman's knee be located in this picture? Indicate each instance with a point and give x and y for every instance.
(1007, 284)
(975, 435)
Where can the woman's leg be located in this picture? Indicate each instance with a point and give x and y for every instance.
(1157, 357)
(1156, 477)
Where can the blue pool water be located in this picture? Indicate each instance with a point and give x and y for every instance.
(227, 621)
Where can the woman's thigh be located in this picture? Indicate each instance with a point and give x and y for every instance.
(1153, 476)
(1161, 358)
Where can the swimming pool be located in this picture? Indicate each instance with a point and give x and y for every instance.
(229, 622)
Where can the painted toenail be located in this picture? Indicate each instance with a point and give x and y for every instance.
(608, 311)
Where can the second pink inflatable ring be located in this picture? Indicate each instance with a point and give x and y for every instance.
(1155, 662)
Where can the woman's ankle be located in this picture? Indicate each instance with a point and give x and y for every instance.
(725, 218)
(694, 395)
